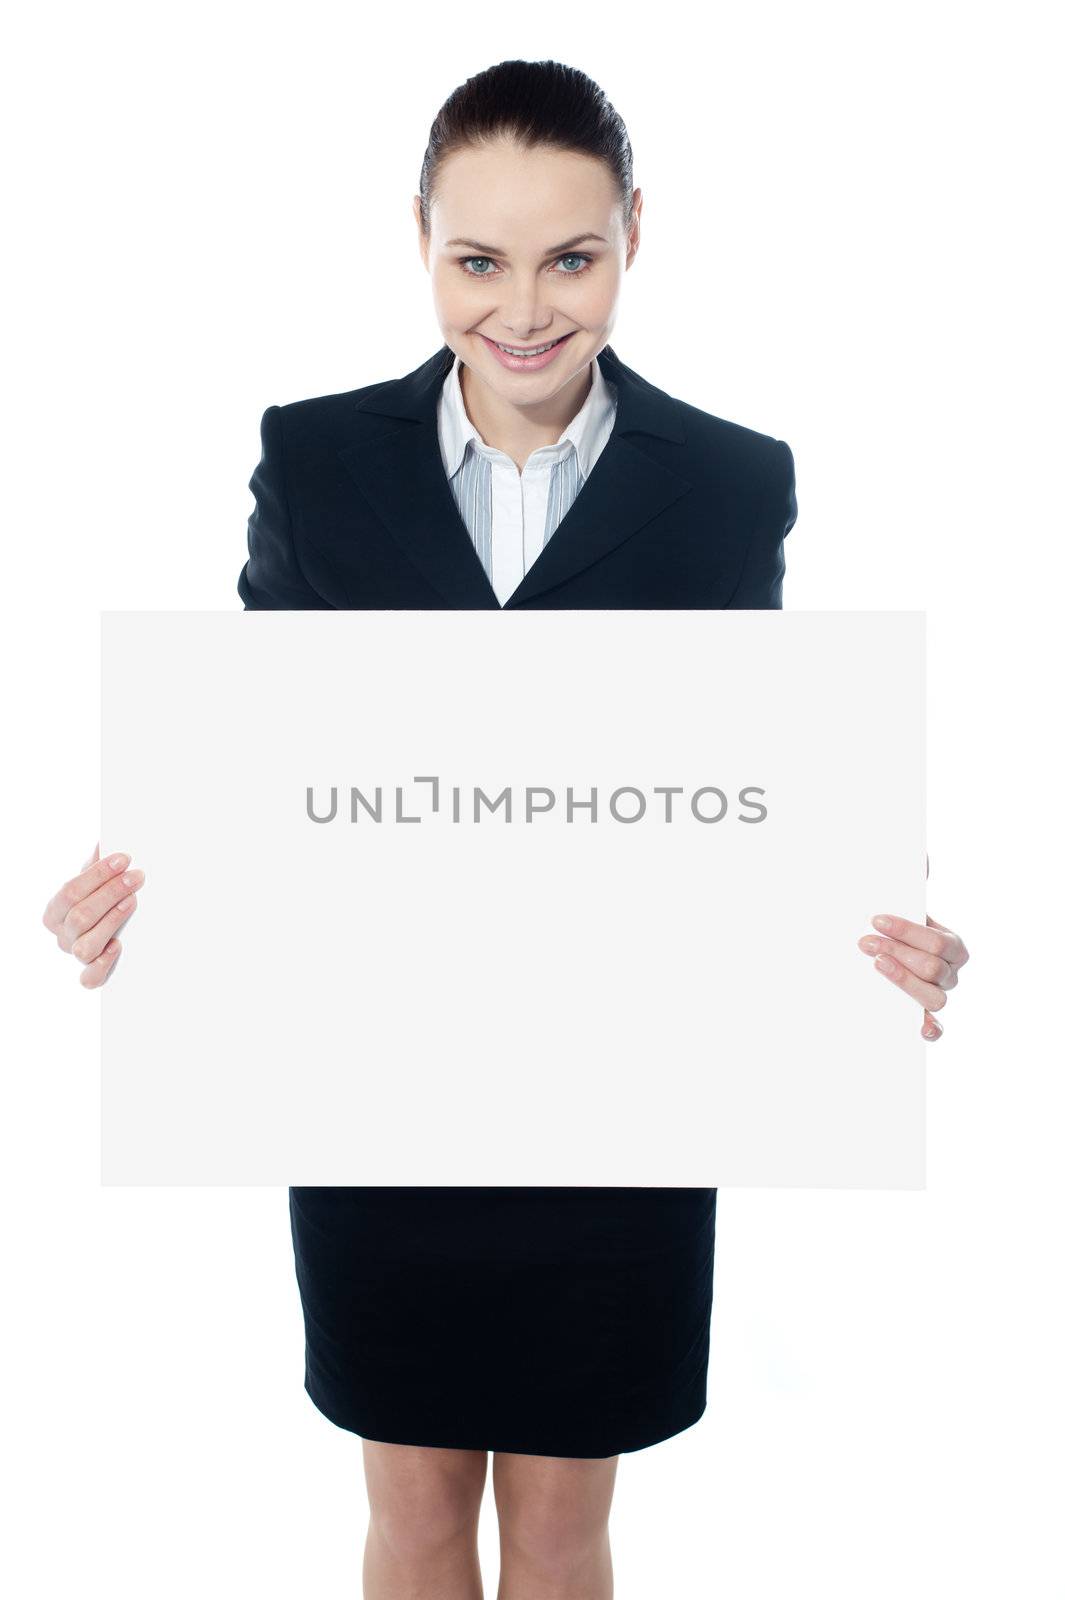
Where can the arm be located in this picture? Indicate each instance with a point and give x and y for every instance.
(762, 578)
(271, 579)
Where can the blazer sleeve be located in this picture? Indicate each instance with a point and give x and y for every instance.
(272, 579)
(761, 582)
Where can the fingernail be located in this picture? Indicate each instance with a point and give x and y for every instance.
(869, 944)
(882, 922)
(118, 861)
(124, 905)
(885, 963)
(932, 1031)
(133, 879)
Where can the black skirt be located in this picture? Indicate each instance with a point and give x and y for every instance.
(551, 1321)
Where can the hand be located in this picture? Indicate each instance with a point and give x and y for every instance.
(922, 960)
(87, 911)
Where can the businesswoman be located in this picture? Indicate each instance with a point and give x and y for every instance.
(521, 465)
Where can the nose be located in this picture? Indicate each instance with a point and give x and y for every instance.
(524, 331)
(526, 316)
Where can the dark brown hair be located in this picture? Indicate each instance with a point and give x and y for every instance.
(534, 103)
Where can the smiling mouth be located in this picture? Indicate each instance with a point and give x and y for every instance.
(530, 349)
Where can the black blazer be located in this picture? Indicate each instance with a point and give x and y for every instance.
(353, 510)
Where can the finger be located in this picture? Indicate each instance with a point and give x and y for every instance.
(77, 889)
(931, 1029)
(928, 994)
(94, 857)
(937, 940)
(87, 946)
(964, 956)
(933, 969)
(83, 917)
(93, 976)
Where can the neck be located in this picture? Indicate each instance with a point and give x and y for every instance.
(519, 430)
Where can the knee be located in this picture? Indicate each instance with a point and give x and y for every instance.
(419, 1522)
(553, 1538)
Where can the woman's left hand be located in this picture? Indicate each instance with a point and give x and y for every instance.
(922, 960)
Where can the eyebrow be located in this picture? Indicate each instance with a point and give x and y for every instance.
(556, 250)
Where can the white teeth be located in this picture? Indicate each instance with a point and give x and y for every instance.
(537, 352)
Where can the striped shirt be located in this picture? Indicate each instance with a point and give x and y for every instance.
(511, 515)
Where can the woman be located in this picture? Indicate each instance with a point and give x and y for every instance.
(521, 465)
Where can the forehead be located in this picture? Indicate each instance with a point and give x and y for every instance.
(505, 194)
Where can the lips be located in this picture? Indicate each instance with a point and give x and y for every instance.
(525, 348)
(526, 363)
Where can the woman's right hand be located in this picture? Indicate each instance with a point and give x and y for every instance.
(87, 911)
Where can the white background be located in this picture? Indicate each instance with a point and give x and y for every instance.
(849, 242)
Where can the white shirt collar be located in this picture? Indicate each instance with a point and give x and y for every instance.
(587, 433)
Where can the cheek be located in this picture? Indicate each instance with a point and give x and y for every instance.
(455, 302)
(594, 304)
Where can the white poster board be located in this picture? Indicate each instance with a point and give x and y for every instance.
(408, 986)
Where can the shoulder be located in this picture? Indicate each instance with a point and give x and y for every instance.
(704, 428)
(727, 457)
(723, 441)
(739, 469)
(734, 467)
(702, 443)
(329, 419)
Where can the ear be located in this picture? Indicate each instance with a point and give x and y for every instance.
(423, 243)
(634, 231)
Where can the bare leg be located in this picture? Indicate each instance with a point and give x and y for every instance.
(553, 1538)
(424, 1508)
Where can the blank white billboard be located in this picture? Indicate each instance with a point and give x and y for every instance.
(479, 898)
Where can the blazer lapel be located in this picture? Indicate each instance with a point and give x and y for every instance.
(401, 474)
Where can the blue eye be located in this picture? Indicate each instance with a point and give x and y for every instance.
(464, 263)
